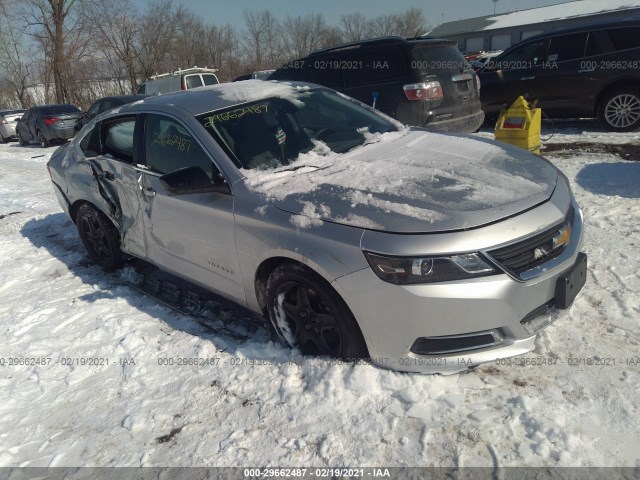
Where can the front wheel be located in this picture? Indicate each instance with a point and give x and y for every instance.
(99, 237)
(307, 313)
(619, 110)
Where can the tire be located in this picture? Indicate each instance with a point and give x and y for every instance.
(619, 109)
(22, 142)
(311, 315)
(3, 140)
(44, 143)
(99, 237)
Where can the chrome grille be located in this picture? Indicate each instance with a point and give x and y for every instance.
(522, 256)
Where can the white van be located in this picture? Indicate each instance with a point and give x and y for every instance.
(179, 80)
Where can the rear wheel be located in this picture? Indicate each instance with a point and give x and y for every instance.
(307, 313)
(99, 237)
(619, 110)
(44, 143)
(3, 140)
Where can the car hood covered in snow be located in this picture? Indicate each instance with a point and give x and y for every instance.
(412, 181)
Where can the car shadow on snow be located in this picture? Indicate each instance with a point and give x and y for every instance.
(612, 179)
(224, 324)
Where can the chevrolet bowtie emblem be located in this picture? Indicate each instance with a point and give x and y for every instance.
(563, 237)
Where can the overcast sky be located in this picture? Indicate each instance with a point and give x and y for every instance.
(436, 11)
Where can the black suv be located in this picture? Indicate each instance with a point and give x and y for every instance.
(422, 81)
(588, 71)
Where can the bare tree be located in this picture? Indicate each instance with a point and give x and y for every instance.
(224, 53)
(15, 61)
(117, 23)
(303, 34)
(61, 26)
(354, 27)
(411, 23)
(155, 37)
(189, 45)
(262, 40)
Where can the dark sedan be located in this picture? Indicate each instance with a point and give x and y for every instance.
(48, 124)
(104, 104)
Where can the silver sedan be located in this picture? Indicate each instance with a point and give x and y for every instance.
(357, 236)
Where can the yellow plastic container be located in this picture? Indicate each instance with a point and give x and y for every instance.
(519, 125)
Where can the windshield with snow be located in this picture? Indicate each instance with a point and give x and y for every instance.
(272, 132)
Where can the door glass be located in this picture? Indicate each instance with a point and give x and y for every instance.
(118, 139)
(523, 57)
(624, 38)
(169, 147)
(94, 110)
(567, 47)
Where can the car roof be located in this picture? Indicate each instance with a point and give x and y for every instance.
(627, 22)
(223, 95)
(126, 98)
(382, 41)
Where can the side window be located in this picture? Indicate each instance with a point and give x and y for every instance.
(95, 109)
(375, 66)
(596, 44)
(625, 38)
(324, 71)
(567, 47)
(523, 56)
(90, 144)
(169, 147)
(118, 139)
(192, 81)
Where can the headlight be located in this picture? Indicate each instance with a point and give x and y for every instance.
(411, 270)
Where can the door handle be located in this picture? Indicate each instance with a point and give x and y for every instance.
(586, 70)
(527, 78)
(148, 191)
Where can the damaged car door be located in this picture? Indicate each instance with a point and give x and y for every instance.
(112, 152)
(190, 230)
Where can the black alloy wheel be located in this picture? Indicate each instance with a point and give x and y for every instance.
(99, 237)
(307, 313)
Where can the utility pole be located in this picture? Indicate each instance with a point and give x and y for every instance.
(495, 2)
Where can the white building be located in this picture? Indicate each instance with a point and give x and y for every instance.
(498, 32)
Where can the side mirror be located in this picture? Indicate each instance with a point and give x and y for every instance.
(191, 180)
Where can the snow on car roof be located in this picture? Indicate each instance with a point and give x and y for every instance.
(223, 95)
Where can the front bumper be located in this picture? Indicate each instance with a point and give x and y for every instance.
(399, 320)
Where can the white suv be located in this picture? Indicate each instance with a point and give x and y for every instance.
(179, 80)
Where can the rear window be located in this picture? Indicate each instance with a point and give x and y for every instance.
(56, 109)
(625, 38)
(209, 79)
(434, 59)
(192, 81)
(373, 66)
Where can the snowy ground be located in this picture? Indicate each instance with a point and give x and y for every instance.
(299, 411)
